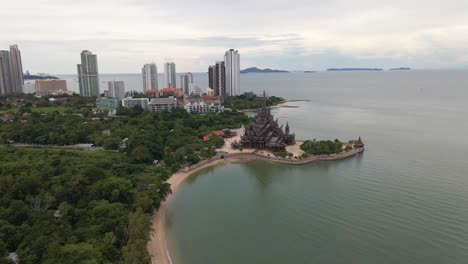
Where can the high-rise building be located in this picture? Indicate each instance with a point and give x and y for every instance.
(211, 70)
(88, 76)
(217, 78)
(6, 85)
(16, 69)
(116, 89)
(150, 77)
(186, 83)
(220, 79)
(232, 63)
(110, 89)
(11, 71)
(170, 74)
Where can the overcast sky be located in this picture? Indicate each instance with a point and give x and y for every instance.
(290, 35)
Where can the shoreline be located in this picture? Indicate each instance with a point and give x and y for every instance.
(157, 245)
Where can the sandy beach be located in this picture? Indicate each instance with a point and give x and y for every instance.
(157, 245)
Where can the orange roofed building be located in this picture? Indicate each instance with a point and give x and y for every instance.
(219, 133)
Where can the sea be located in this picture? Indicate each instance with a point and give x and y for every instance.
(404, 200)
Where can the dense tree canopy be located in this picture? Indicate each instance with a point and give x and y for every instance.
(251, 102)
(322, 147)
(70, 206)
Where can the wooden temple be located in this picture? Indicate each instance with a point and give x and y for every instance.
(265, 133)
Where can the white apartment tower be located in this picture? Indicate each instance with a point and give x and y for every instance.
(116, 89)
(186, 83)
(16, 69)
(170, 75)
(88, 76)
(232, 64)
(150, 77)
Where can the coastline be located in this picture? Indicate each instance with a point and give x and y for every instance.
(157, 245)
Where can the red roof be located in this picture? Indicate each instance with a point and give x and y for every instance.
(170, 90)
(219, 133)
(151, 91)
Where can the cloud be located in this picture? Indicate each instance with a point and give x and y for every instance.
(275, 33)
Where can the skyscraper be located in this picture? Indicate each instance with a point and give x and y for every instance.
(16, 69)
(150, 77)
(232, 64)
(6, 85)
(170, 74)
(211, 70)
(220, 79)
(88, 76)
(186, 82)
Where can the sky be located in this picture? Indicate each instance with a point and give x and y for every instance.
(279, 34)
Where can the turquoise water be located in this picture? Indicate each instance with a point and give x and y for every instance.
(405, 200)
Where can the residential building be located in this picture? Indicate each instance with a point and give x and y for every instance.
(150, 77)
(186, 83)
(202, 107)
(116, 89)
(130, 102)
(6, 85)
(162, 104)
(232, 64)
(51, 87)
(217, 78)
(211, 72)
(16, 69)
(88, 75)
(170, 74)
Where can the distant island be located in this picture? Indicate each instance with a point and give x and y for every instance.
(38, 77)
(257, 70)
(354, 69)
(309, 71)
(400, 69)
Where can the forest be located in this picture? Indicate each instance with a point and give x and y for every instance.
(78, 206)
(72, 206)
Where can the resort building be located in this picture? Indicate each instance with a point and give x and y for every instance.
(162, 104)
(130, 102)
(202, 107)
(51, 87)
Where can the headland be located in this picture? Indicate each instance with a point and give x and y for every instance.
(158, 247)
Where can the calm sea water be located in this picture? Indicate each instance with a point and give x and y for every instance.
(405, 200)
